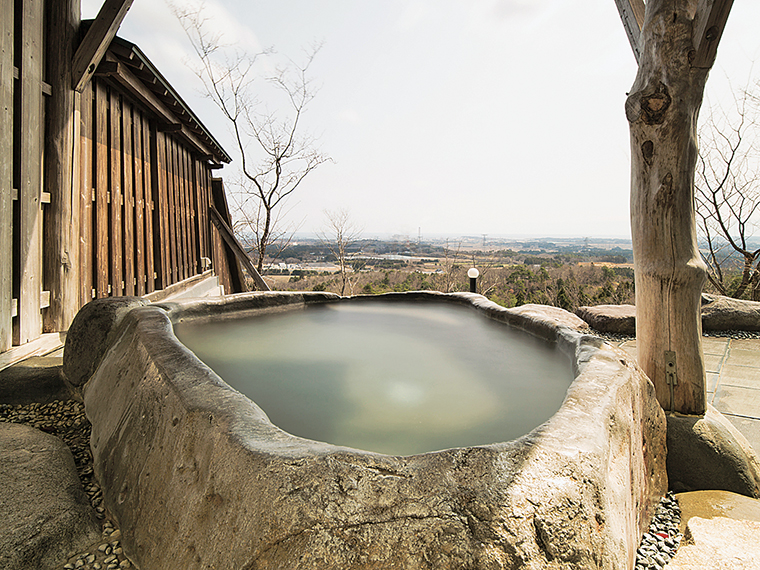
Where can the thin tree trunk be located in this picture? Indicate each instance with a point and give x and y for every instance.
(662, 110)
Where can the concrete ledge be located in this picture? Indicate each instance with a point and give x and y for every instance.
(197, 476)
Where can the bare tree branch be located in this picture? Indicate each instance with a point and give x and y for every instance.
(340, 234)
(275, 155)
(727, 195)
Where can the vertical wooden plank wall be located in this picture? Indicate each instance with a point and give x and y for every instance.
(86, 195)
(30, 117)
(147, 226)
(6, 173)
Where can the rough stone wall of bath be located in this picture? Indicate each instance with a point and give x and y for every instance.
(198, 478)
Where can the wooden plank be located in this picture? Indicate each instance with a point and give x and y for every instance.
(171, 193)
(86, 262)
(31, 128)
(61, 227)
(139, 253)
(188, 213)
(182, 187)
(708, 29)
(236, 277)
(632, 15)
(102, 258)
(192, 186)
(6, 173)
(161, 214)
(129, 199)
(115, 185)
(96, 40)
(199, 216)
(237, 248)
(181, 212)
(150, 266)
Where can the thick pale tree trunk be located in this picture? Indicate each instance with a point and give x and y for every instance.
(662, 110)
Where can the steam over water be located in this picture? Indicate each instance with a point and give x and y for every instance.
(396, 378)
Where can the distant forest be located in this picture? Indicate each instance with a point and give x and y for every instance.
(569, 276)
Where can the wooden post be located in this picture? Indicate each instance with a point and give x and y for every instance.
(6, 172)
(30, 127)
(662, 110)
(61, 174)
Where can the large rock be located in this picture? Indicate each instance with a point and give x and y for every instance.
(620, 319)
(718, 314)
(709, 453)
(724, 313)
(198, 477)
(36, 379)
(721, 531)
(45, 515)
(88, 337)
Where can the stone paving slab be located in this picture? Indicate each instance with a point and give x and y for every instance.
(737, 401)
(713, 362)
(745, 357)
(712, 381)
(712, 345)
(721, 532)
(747, 344)
(749, 428)
(742, 376)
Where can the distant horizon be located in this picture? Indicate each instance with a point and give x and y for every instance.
(455, 235)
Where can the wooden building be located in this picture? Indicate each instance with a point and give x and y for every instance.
(107, 182)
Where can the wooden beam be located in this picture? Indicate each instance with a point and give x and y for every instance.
(61, 222)
(709, 24)
(96, 41)
(236, 248)
(632, 14)
(30, 121)
(136, 86)
(6, 172)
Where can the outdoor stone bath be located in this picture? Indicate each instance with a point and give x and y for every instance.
(198, 477)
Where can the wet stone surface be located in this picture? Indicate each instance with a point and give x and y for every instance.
(661, 541)
(67, 421)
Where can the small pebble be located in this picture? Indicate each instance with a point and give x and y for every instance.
(660, 543)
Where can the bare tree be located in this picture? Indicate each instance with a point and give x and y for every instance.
(450, 268)
(340, 234)
(727, 195)
(275, 156)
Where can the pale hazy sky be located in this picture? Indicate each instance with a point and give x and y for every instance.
(458, 117)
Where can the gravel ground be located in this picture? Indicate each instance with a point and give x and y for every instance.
(661, 541)
(67, 421)
(738, 335)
